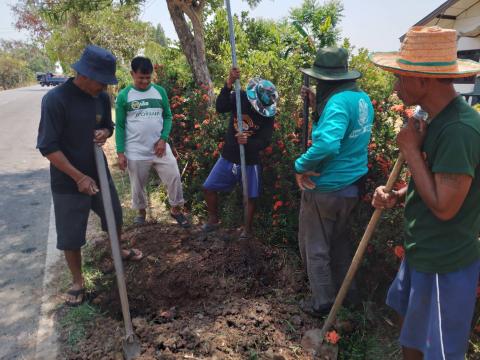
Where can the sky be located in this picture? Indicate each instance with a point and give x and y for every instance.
(372, 24)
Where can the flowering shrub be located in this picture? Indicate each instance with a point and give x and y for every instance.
(197, 138)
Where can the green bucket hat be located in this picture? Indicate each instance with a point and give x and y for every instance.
(331, 64)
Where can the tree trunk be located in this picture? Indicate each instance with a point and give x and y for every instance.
(191, 37)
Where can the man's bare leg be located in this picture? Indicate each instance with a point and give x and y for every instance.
(250, 213)
(176, 210)
(408, 353)
(412, 354)
(211, 197)
(74, 262)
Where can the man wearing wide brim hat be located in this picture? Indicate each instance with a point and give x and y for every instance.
(329, 174)
(74, 116)
(435, 289)
(258, 107)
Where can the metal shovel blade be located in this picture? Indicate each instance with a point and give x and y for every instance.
(131, 347)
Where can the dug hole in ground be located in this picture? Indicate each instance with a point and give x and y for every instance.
(204, 297)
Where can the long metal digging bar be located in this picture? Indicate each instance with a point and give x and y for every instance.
(357, 259)
(131, 345)
(239, 114)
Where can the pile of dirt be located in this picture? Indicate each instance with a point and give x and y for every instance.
(204, 297)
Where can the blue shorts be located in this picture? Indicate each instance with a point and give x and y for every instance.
(437, 310)
(225, 175)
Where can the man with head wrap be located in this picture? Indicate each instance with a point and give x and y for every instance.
(329, 174)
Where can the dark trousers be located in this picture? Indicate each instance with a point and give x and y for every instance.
(325, 248)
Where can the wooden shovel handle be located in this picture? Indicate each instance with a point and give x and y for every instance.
(356, 261)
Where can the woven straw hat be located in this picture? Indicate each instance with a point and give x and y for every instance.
(427, 51)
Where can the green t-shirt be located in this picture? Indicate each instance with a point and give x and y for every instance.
(452, 145)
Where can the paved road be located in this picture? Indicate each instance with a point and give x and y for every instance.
(24, 218)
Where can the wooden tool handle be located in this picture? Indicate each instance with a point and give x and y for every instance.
(361, 250)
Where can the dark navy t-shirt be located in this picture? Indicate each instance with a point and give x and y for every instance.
(69, 117)
(260, 128)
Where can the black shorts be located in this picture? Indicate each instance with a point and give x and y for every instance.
(71, 216)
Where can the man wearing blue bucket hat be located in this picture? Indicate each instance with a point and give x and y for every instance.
(74, 116)
(258, 111)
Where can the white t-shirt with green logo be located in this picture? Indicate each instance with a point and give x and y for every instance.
(142, 118)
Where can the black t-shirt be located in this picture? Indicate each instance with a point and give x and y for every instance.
(69, 117)
(259, 127)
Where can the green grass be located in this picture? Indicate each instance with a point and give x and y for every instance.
(75, 320)
(370, 340)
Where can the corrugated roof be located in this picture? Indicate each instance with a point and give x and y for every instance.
(446, 14)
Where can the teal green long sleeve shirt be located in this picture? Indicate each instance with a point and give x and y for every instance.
(340, 138)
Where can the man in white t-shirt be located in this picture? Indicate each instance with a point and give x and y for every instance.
(143, 124)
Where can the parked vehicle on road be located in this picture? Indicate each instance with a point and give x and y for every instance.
(48, 79)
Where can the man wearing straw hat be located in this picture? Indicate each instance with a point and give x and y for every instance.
(329, 173)
(435, 288)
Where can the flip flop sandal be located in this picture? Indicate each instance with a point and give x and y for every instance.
(245, 236)
(209, 227)
(139, 220)
(133, 256)
(76, 294)
(181, 220)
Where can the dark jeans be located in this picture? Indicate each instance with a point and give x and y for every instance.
(325, 248)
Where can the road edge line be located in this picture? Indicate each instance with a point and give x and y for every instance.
(46, 339)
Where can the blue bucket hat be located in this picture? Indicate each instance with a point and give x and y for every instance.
(97, 64)
(263, 96)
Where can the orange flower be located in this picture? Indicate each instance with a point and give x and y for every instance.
(397, 108)
(178, 117)
(409, 112)
(206, 98)
(399, 251)
(197, 126)
(278, 204)
(332, 337)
